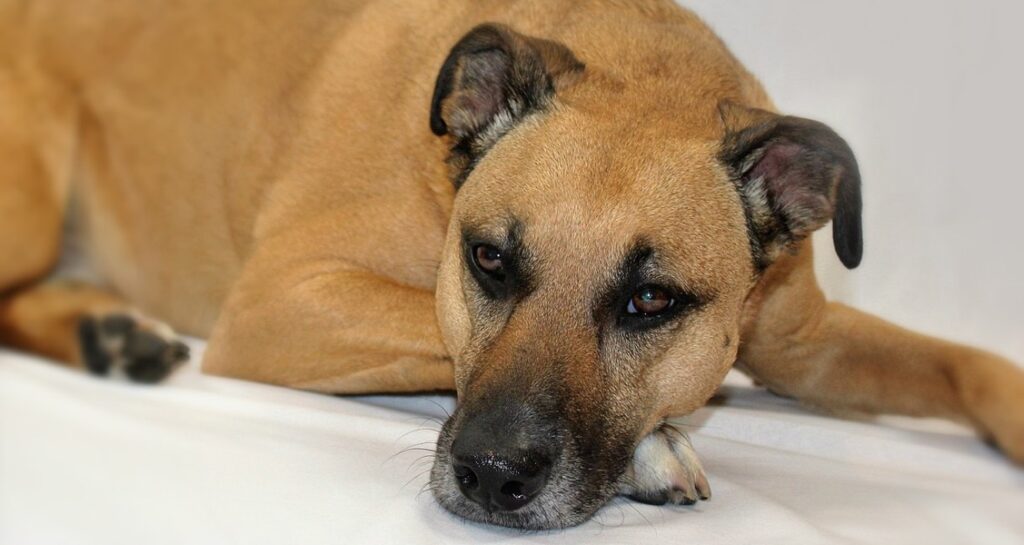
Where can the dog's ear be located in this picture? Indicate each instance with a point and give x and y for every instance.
(794, 175)
(492, 78)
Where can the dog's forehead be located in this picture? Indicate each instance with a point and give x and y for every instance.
(590, 193)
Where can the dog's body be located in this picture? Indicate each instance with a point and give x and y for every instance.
(263, 173)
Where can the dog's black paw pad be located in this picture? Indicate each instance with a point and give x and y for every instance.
(121, 344)
(95, 358)
(674, 496)
(650, 498)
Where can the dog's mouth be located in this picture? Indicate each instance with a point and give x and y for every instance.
(567, 491)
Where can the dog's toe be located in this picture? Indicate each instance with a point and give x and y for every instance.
(142, 350)
(665, 469)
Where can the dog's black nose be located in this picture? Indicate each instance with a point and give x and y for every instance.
(504, 449)
(501, 483)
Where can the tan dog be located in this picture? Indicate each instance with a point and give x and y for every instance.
(630, 220)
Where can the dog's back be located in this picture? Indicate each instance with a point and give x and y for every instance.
(174, 119)
(171, 136)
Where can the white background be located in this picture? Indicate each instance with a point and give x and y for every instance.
(930, 95)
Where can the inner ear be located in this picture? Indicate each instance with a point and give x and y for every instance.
(494, 77)
(794, 175)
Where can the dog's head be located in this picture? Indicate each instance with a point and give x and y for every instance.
(604, 237)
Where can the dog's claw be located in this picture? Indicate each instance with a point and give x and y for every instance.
(665, 469)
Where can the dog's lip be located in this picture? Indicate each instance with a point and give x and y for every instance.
(477, 513)
(523, 518)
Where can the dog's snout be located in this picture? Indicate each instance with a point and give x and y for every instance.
(502, 458)
(501, 482)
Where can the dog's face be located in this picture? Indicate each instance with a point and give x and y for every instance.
(592, 283)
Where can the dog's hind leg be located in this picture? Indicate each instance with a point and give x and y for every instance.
(36, 146)
(837, 358)
(71, 323)
(43, 318)
(85, 326)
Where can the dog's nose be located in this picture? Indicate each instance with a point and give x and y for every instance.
(504, 449)
(501, 483)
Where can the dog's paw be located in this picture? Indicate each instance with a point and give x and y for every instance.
(1005, 430)
(665, 469)
(142, 350)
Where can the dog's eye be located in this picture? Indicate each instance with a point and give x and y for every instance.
(649, 301)
(489, 259)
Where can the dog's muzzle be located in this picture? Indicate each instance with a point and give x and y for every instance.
(508, 459)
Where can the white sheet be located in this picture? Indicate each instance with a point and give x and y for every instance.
(208, 460)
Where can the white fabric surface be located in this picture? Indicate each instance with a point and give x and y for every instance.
(208, 460)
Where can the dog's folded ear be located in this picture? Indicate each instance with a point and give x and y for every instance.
(492, 78)
(794, 175)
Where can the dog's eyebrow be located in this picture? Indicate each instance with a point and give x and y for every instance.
(514, 238)
(632, 266)
(521, 266)
(627, 276)
(506, 233)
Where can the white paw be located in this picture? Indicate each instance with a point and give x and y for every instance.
(665, 469)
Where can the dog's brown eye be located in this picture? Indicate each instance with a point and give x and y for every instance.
(649, 301)
(488, 258)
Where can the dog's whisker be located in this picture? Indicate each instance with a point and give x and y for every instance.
(426, 458)
(447, 414)
(420, 444)
(601, 515)
(420, 466)
(642, 515)
(410, 449)
(415, 477)
(427, 487)
(415, 430)
(420, 419)
(418, 449)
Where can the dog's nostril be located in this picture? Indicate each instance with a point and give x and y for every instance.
(498, 483)
(467, 479)
(515, 490)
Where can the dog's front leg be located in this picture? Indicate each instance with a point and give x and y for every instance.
(324, 325)
(838, 358)
(665, 469)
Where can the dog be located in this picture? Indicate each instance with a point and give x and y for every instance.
(577, 214)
